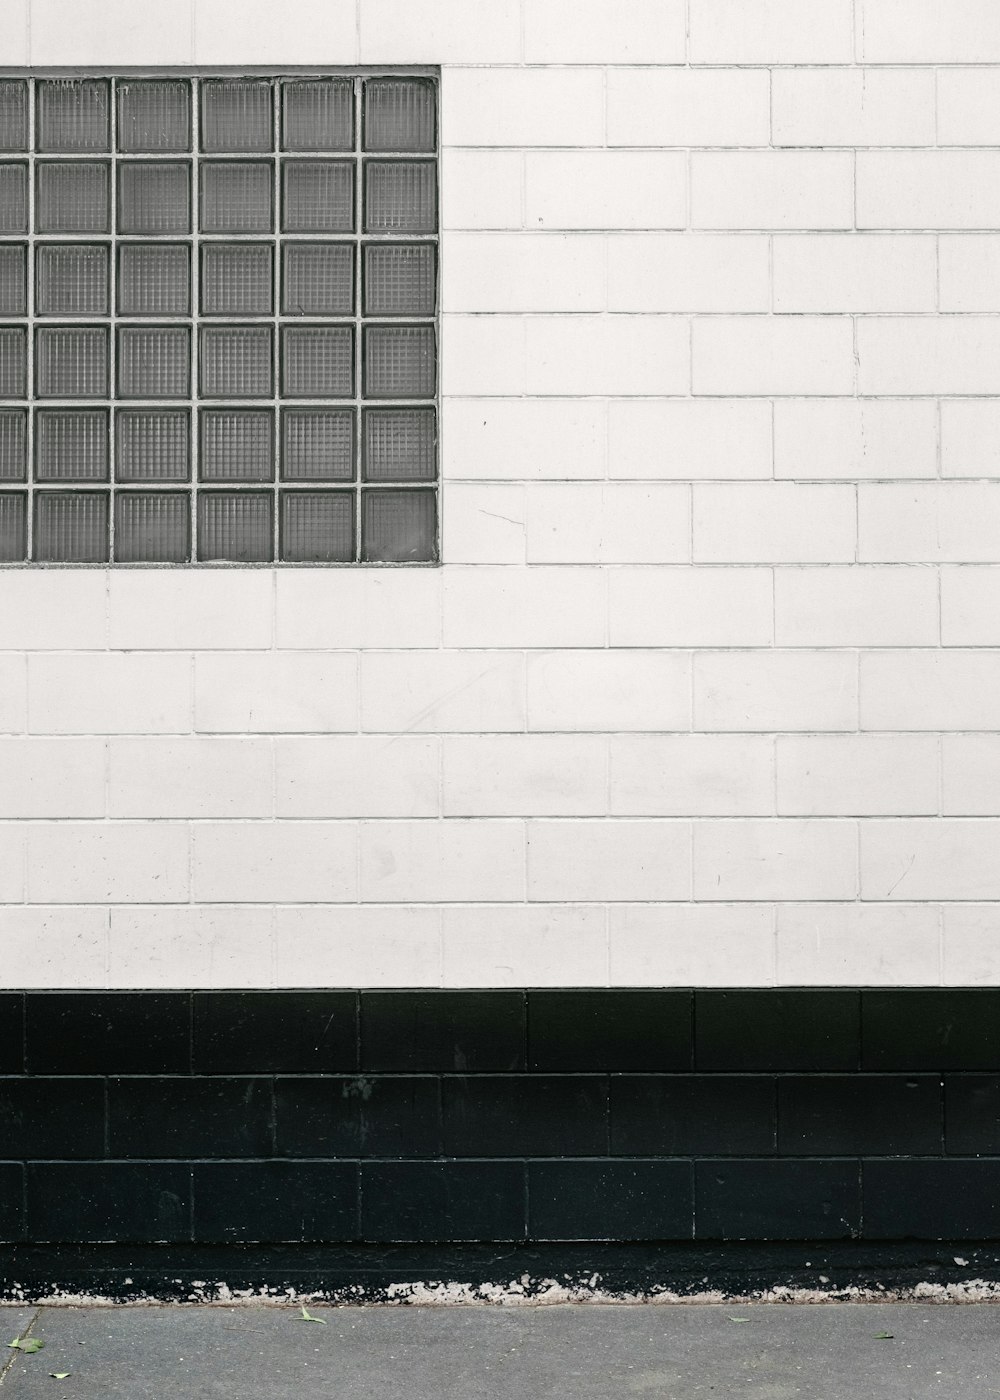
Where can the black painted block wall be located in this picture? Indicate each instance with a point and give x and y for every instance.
(232, 1118)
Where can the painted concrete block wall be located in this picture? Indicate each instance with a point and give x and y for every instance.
(707, 689)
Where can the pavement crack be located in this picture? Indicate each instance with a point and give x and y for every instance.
(9, 1362)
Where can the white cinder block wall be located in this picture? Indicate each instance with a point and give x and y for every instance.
(707, 689)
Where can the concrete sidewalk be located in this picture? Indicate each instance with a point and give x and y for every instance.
(586, 1352)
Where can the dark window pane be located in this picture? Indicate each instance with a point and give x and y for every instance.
(13, 362)
(13, 527)
(72, 198)
(71, 527)
(154, 362)
(317, 361)
(398, 527)
(318, 279)
(317, 444)
(73, 115)
(13, 199)
(152, 527)
(237, 279)
(154, 197)
(236, 444)
(13, 444)
(237, 197)
(237, 115)
(236, 362)
(71, 279)
(317, 196)
(13, 280)
(236, 525)
(154, 115)
(71, 444)
(400, 279)
(400, 362)
(317, 527)
(154, 279)
(71, 362)
(399, 114)
(152, 444)
(318, 115)
(399, 444)
(13, 115)
(400, 196)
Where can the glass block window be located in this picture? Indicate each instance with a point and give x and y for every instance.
(218, 319)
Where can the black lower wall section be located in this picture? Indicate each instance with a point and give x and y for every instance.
(343, 1120)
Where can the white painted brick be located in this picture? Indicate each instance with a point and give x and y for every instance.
(970, 272)
(50, 948)
(968, 107)
(483, 355)
(696, 606)
(689, 775)
(858, 945)
(257, 31)
(687, 107)
(677, 945)
(856, 607)
(772, 189)
(604, 31)
(13, 840)
(970, 608)
(940, 522)
(356, 776)
(484, 524)
(689, 439)
(275, 692)
(930, 690)
(13, 694)
(52, 778)
(771, 31)
(970, 765)
(773, 355)
(520, 106)
(109, 693)
(609, 860)
(607, 355)
(183, 946)
(544, 775)
(688, 272)
(523, 272)
(853, 107)
(970, 437)
(264, 862)
(929, 355)
(101, 33)
(971, 945)
(922, 859)
(358, 608)
(523, 440)
(768, 690)
(609, 524)
(190, 608)
(773, 523)
(190, 778)
(928, 189)
(605, 189)
(43, 608)
(760, 859)
(373, 946)
(14, 31)
(609, 690)
(538, 945)
(446, 860)
(827, 438)
(442, 691)
(857, 775)
(855, 272)
(536, 607)
(439, 31)
(925, 31)
(481, 189)
(107, 862)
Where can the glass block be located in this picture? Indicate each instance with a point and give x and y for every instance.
(237, 197)
(317, 196)
(13, 115)
(154, 279)
(71, 444)
(71, 527)
(152, 527)
(71, 362)
(154, 362)
(317, 362)
(154, 197)
(400, 279)
(236, 445)
(236, 525)
(317, 444)
(237, 115)
(72, 197)
(237, 279)
(399, 444)
(317, 115)
(399, 114)
(317, 279)
(13, 362)
(317, 527)
(73, 115)
(154, 115)
(400, 362)
(398, 527)
(13, 444)
(400, 196)
(13, 280)
(236, 362)
(13, 527)
(71, 279)
(152, 444)
(13, 199)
